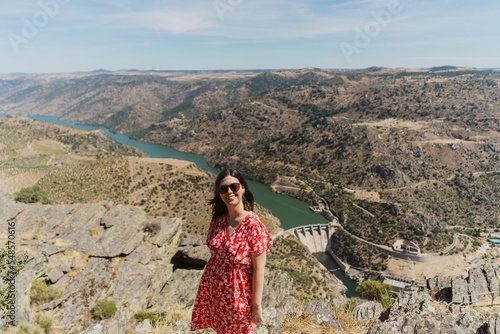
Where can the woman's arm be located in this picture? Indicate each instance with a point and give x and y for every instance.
(258, 264)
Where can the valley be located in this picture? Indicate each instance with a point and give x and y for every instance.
(397, 154)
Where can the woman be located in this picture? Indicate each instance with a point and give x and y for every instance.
(229, 298)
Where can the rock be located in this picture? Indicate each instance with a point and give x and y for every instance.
(460, 290)
(367, 311)
(276, 301)
(440, 287)
(481, 287)
(54, 275)
(320, 312)
(478, 287)
(493, 325)
(167, 231)
(181, 287)
(467, 317)
(143, 327)
(415, 313)
(94, 329)
(191, 257)
(122, 236)
(493, 281)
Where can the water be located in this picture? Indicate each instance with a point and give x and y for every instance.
(334, 269)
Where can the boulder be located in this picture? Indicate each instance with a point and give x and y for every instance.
(415, 312)
(493, 326)
(367, 311)
(479, 288)
(94, 329)
(460, 290)
(321, 314)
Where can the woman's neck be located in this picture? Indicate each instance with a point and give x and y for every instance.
(235, 214)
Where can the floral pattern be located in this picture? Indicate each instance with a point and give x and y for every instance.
(223, 302)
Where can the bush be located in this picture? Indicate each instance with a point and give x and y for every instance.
(25, 328)
(41, 293)
(6, 297)
(104, 309)
(33, 194)
(45, 323)
(376, 290)
(141, 316)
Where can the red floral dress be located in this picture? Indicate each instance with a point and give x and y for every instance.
(224, 297)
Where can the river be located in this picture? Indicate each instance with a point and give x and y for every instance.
(290, 211)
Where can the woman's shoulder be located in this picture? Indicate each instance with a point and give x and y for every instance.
(254, 219)
(251, 215)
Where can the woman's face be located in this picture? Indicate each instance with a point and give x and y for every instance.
(231, 191)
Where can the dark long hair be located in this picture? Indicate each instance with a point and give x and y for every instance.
(219, 208)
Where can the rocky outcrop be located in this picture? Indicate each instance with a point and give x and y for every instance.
(367, 311)
(448, 306)
(96, 251)
(321, 314)
(416, 312)
(479, 288)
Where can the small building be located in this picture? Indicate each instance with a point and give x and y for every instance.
(406, 246)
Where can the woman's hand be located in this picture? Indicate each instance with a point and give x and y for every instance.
(257, 315)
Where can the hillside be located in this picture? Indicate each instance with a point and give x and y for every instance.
(416, 149)
(118, 219)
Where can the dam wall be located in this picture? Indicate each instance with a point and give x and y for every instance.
(315, 237)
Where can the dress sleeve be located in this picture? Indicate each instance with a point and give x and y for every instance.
(211, 231)
(260, 240)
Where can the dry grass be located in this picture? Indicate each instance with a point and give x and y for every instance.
(305, 324)
(177, 313)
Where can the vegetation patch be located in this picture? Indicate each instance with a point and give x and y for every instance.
(42, 293)
(34, 194)
(104, 309)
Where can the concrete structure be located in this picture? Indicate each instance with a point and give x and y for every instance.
(315, 237)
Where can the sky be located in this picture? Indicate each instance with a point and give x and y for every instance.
(53, 36)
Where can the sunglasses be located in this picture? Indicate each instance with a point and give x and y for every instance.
(233, 186)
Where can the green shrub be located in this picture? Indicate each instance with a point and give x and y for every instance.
(376, 290)
(141, 316)
(6, 297)
(44, 322)
(41, 293)
(104, 309)
(33, 194)
(25, 328)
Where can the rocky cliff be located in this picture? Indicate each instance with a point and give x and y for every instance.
(90, 252)
(102, 251)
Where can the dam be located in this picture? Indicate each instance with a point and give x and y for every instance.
(317, 238)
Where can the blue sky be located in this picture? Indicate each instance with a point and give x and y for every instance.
(84, 35)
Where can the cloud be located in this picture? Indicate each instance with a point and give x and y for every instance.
(175, 22)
